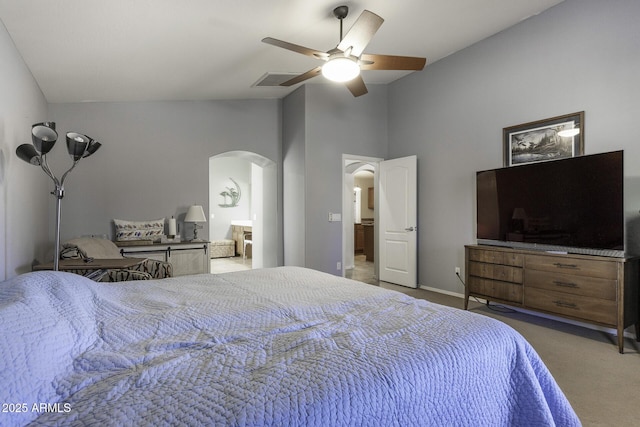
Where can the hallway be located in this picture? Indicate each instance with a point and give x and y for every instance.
(363, 271)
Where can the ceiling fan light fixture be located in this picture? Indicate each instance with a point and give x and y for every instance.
(341, 69)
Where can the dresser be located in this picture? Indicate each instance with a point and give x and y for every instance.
(594, 289)
(185, 257)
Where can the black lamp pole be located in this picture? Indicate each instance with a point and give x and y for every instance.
(44, 137)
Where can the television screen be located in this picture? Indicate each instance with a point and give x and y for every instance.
(571, 205)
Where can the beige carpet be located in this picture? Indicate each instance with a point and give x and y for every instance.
(602, 385)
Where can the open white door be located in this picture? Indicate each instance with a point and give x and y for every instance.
(398, 229)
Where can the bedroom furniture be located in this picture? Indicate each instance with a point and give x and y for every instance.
(195, 214)
(97, 269)
(238, 229)
(368, 241)
(268, 347)
(88, 250)
(358, 238)
(44, 137)
(247, 240)
(593, 289)
(185, 257)
(225, 248)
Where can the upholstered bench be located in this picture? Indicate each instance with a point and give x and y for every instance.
(222, 248)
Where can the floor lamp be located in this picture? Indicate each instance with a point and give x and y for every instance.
(44, 137)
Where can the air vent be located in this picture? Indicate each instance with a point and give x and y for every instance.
(273, 79)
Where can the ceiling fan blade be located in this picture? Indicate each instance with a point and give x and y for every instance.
(296, 48)
(357, 87)
(390, 62)
(361, 33)
(302, 77)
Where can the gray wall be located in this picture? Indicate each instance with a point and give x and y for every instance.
(322, 122)
(579, 55)
(154, 161)
(336, 124)
(294, 180)
(24, 189)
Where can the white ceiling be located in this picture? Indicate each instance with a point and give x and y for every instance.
(148, 50)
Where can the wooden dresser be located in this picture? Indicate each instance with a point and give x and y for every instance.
(594, 289)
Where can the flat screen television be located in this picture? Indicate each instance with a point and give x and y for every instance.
(573, 205)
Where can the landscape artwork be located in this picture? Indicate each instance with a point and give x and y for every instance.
(544, 140)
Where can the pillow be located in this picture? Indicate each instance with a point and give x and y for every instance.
(91, 247)
(139, 230)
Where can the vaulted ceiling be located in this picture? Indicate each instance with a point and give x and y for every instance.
(149, 50)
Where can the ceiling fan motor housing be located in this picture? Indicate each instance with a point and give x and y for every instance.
(341, 12)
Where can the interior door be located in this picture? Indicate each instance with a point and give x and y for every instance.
(398, 231)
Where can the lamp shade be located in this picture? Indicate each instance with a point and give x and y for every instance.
(195, 214)
(340, 69)
(77, 144)
(44, 136)
(92, 147)
(29, 154)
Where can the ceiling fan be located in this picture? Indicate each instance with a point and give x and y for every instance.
(344, 62)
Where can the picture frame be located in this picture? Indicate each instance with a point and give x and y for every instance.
(544, 140)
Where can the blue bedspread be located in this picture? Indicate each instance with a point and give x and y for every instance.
(273, 347)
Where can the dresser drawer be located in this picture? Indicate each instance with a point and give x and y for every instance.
(494, 289)
(503, 273)
(496, 257)
(576, 285)
(588, 308)
(574, 266)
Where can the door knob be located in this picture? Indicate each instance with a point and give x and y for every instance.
(410, 229)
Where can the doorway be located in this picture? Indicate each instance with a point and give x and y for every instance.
(395, 220)
(359, 218)
(243, 193)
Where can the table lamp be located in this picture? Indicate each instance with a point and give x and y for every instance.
(195, 214)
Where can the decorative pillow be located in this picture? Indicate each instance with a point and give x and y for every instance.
(139, 230)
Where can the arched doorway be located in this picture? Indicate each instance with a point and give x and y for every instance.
(243, 187)
(351, 166)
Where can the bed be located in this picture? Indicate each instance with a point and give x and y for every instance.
(283, 346)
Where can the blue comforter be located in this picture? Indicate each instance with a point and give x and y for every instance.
(284, 346)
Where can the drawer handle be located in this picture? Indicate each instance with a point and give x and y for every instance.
(565, 284)
(561, 265)
(565, 304)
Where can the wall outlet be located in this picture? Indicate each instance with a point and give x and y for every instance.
(338, 266)
(457, 271)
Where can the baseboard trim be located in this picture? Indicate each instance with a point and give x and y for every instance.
(627, 333)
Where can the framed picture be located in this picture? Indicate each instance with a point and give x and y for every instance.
(549, 139)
